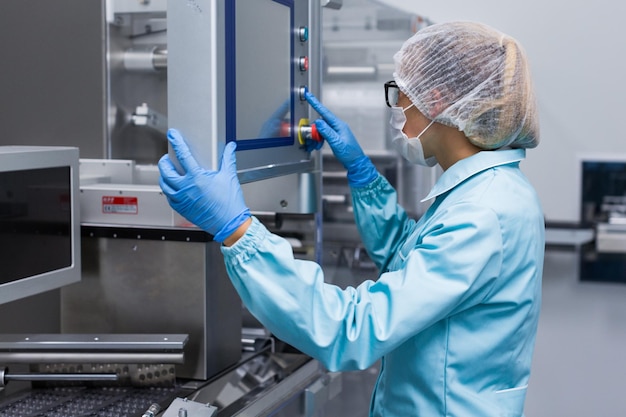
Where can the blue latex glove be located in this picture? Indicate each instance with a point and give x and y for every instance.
(273, 127)
(311, 145)
(347, 150)
(212, 200)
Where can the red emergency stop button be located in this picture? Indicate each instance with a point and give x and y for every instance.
(315, 135)
(308, 131)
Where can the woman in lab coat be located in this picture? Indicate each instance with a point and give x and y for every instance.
(454, 312)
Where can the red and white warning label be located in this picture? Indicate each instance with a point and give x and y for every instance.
(119, 205)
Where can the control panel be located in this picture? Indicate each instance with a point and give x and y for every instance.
(237, 71)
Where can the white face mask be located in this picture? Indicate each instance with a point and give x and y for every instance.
(410, 148)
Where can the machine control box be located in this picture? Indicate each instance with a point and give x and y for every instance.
(233, 76)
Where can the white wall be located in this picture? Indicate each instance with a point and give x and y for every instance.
(579, 367)
(576, 51)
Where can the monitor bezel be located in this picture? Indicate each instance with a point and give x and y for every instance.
(20, 158)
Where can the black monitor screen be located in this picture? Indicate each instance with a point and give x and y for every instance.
(35, 222)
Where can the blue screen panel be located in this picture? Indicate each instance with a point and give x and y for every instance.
(259, 73)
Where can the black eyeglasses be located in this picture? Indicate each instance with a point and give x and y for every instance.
(391, 93)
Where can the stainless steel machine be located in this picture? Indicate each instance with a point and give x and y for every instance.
(154, 317)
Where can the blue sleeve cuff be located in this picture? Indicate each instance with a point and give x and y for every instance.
(248, 245)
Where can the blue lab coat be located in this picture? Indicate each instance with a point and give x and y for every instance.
(454, 312)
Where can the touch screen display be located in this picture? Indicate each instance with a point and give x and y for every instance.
(263, 70)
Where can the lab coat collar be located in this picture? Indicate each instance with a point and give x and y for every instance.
(472, 165)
